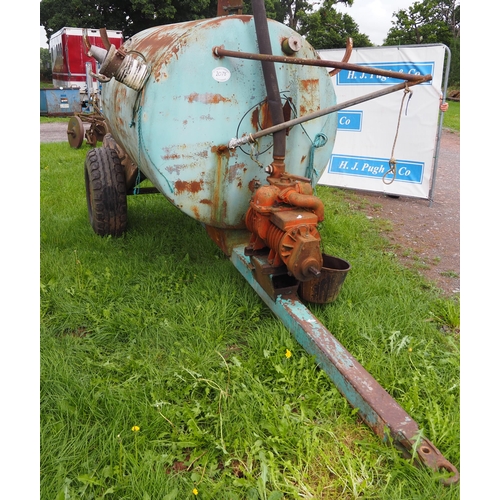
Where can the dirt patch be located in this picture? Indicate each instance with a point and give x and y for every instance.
(426, 235)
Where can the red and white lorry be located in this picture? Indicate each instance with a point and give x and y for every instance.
(71, 66)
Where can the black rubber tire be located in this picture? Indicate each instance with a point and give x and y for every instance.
(106, 192)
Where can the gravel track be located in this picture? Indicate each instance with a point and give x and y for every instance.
(426, 235)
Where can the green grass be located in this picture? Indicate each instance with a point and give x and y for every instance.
(46, 85)
(53, 119)
(157, 329)
(451, 119)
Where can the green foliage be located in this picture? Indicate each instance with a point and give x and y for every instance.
(454, 76)
(129, 16)
(429, 21)
(157, 329)
(133, 16)
(45, 65)
(447, 314)
(328, 29)
(292, 12)
(53, 119)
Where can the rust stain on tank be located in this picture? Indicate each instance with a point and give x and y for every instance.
(255, 119)
(206, 201)
(176, 169)
(190, 187)
(207, 98)
(261, 117)
(234, 172)
(156, 39)
(220, 150)
(121, 99)
(174, 152)
(244, 19)
(216, 21)
(219, 206)
(253, 185)
(120, 122)
(307, 84)
(265, 114)
(170, 155)
(122, 93)
(165, 41)
(310, 96)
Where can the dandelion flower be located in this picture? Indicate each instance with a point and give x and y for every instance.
(288, 353)
(136, 428)
(195, 491)
(410, 349)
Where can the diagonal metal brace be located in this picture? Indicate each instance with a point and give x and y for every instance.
(376, 407)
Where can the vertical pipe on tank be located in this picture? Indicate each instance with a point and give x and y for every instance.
(271, 82)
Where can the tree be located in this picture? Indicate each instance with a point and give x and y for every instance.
(128, 16)
(132, 16)
(45, 65)
(429, 21)
(323, 27)
(328, 29)
(290, 12)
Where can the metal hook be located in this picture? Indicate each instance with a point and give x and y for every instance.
(347, 55)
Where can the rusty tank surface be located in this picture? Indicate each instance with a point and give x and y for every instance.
(173, 103)
(177, 128)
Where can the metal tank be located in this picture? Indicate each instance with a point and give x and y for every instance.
(233, 120)
(176, 129)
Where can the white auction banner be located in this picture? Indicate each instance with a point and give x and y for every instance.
(371, 133)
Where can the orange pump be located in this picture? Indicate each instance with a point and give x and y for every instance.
(283, 218)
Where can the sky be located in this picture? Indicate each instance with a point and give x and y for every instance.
(372, 16)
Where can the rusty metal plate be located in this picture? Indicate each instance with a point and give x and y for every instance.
(75, 132)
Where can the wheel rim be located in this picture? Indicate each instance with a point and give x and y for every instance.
(75, 132)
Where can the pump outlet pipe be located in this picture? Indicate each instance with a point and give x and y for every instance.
(272, 89)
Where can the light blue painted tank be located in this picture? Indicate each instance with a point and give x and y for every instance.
(177, 128)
